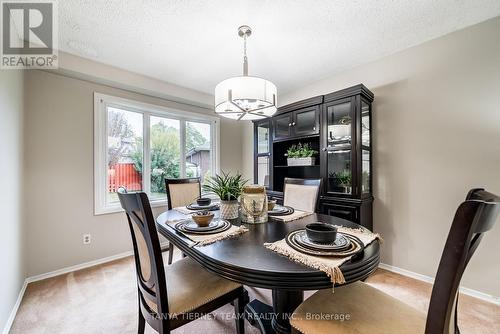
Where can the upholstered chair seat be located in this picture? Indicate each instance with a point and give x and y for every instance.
(369, 311)
(191, 286)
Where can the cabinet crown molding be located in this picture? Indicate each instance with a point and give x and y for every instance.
(354, 90)
(300, 104)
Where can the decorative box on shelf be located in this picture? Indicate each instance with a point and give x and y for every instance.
(309, 161)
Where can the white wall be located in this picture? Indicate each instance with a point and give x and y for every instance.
(11, 171)
(231, 143)
(247, 150)
(59, 172)
(78, 67)
(437, 134)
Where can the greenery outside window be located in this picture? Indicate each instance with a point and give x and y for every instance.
(137, 146)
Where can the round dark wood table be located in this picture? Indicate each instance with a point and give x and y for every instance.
(245, 260)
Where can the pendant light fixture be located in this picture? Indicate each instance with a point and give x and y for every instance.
(245, 97)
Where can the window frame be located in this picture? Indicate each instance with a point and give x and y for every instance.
(101, 102)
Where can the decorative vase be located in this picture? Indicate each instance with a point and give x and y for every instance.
(253, 204)
(347, 189)
(228, 209)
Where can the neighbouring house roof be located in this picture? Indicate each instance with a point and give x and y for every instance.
(204, 147)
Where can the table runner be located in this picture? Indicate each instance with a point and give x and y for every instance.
(207, 239)
(328, 264)
(297, 214)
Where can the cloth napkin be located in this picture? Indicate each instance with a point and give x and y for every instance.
(328, 264)
(297, 214)
(207, 239)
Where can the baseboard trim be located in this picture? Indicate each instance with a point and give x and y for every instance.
(58, 272)
(13, 313)
(428, 279)
(84, 265)
(81, 266)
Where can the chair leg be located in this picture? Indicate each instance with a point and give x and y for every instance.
(170, 252)
(142, 323)
(239, 310)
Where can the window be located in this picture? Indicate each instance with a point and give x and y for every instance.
(138, 145)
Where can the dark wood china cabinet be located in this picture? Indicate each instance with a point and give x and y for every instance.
(338, 126)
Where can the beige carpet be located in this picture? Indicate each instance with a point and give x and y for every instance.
(103, 299)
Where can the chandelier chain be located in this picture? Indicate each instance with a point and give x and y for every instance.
(245, 47)
(245, 59)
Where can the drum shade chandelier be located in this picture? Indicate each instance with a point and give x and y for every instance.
(245, 97)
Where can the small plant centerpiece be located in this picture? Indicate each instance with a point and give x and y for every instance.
(301, 155)
(228, 188)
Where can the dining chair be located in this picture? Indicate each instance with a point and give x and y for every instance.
(372, 311)
(301, 194)
(172, 296)
(181, 192)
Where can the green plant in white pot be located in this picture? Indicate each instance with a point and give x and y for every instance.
(228, 188)
(300, 155)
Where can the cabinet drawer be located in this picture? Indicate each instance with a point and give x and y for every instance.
(348, 212)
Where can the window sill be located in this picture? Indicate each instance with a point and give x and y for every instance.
(117, 208)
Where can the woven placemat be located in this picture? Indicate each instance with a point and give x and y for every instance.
(207, 239)
(297, 214)
(328, 264)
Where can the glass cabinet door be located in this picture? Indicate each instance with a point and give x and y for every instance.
(282, 126)
(306, 122)
(263, 141)
(339, 148)
(365, 148)
(263, 138)
(263, 171)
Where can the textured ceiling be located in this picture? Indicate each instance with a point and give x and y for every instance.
(195, 43)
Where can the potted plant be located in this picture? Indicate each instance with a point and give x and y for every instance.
(228, 188)
(300, 155)
(343, 179)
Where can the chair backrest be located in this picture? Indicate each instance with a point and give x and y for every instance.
(151, 281)
(301, 194)
(181, 192)
(473, 217)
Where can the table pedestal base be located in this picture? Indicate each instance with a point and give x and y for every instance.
(275, 319)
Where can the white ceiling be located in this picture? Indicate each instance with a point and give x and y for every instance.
(195, 44)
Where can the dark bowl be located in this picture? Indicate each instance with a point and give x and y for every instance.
(321, 233)
(203, 201)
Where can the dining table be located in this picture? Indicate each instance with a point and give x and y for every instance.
(245, 260)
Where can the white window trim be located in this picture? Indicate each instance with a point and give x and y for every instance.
(100, 143)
